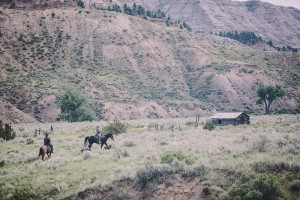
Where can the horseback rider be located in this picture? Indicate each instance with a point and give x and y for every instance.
(47, 141)
(98, 134)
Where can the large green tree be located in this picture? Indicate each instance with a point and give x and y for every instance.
(74, 107)
(267, 94)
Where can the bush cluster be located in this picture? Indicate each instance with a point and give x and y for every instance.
(262, 186)
(295, 186)
(25, 192)
(179, 155)
(116, 127)
(208, 124)
(151, 175)
(6, 132)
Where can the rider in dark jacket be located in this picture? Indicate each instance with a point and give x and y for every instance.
(47, 141)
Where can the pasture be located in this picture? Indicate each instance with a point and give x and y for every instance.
(269, 144)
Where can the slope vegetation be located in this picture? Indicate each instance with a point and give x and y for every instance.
(130, 67)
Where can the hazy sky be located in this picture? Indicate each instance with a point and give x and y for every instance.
(293, 3)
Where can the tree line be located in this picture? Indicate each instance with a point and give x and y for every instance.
(245, 37)
(249, 38)
(138, 10)
(284, 48)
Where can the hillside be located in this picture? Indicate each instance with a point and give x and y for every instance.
(277, 23)
(130, 67)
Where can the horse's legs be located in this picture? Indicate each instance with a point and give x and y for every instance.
(86, 147)
(103, 144)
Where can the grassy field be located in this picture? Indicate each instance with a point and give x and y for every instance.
(270, 144)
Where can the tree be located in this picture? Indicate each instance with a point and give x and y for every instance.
(134, 9)
(140, 10)
(116, 8)
(73, 106)
(149, 13)
(127, 10)
(270, 43)
(80, 3)
(268, 94)
(185, 25)
(6, 132)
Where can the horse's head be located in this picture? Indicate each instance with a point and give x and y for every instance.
(111, 136)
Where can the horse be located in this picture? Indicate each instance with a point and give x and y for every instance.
(90, 140)
(45, 149)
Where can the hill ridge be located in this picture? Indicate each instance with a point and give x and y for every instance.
(130, 67)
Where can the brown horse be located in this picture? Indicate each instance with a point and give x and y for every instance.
(45, 149)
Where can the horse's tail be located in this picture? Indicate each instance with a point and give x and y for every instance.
(85, 140)
(85, 144)
(41, 152)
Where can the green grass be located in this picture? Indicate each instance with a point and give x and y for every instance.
(225, 153)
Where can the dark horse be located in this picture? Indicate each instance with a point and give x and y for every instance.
(90, 140)
(45, 149)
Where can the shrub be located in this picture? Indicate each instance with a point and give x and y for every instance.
(25, 192)
(6, 132)
(206, 190)
(129, 144)
(2, 163)
(274, 166)
(118, 192)
(116, 127)
(208, 124)
(263, 186)
(29, 141)
(199, 171)
(260, 144)
(295, 186)
(150, 175)
(87, 155)
(169, 157)
(190, 123)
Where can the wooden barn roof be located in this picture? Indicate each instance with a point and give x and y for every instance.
(227, 115)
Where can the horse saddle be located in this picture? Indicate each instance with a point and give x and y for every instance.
(49, 148)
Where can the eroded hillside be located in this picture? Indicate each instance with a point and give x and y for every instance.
(277, 23)
(130, 67)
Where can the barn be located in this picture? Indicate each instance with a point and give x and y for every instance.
(235, 118)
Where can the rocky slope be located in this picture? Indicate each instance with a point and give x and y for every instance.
(130, 67)
(277, 23)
